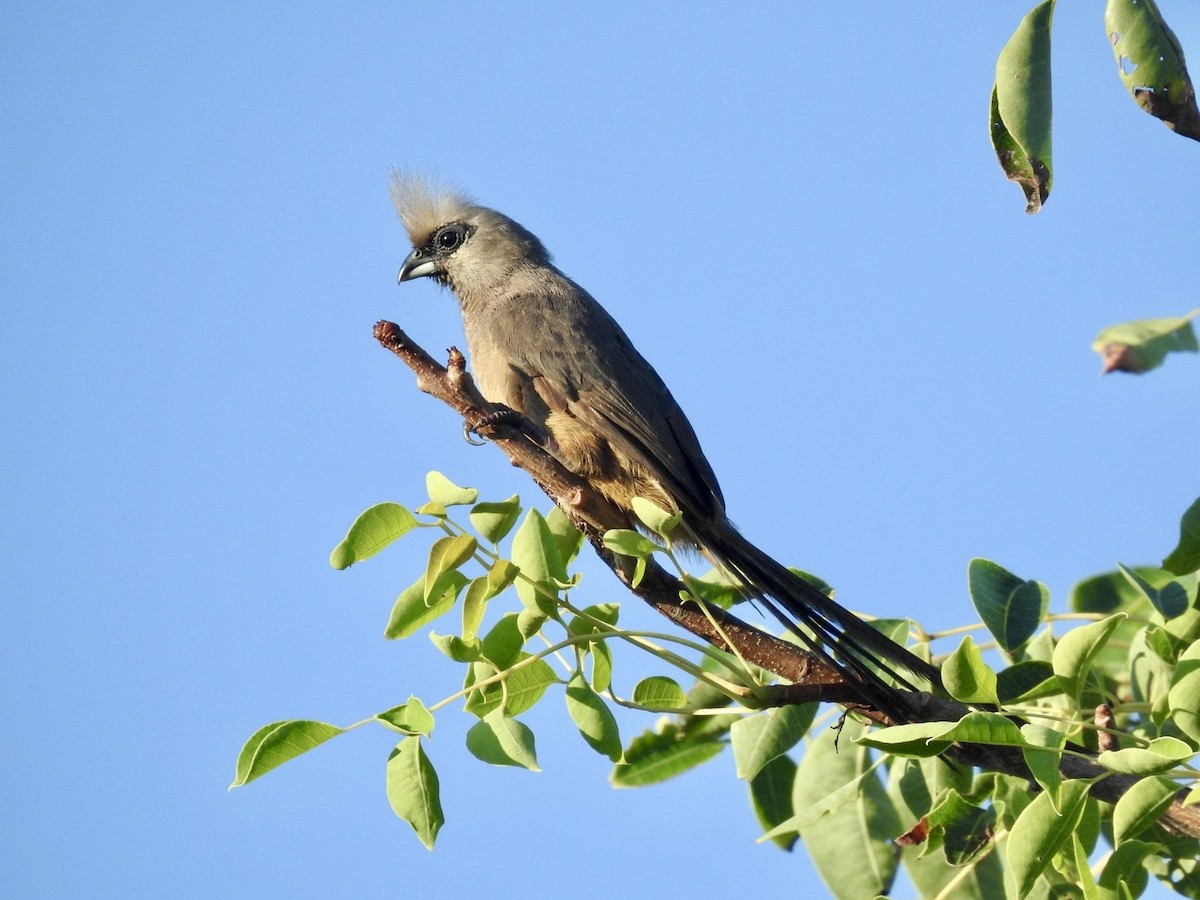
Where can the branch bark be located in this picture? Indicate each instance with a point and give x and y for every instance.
(810, 678)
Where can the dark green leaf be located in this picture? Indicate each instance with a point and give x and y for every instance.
(274, 744)
(1025, 681)
(1185, 558)
(371, 532)
(1010, 607)
(1170, 598)
(413, 791)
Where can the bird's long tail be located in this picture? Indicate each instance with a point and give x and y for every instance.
(880, 669)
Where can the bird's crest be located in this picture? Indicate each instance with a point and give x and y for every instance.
(424, 205)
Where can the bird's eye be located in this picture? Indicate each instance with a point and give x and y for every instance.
(449, 238)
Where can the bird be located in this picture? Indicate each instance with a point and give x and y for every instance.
(542, 346)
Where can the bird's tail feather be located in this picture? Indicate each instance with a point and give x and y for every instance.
(862, 655)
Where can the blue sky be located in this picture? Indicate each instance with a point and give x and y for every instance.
(795, 214)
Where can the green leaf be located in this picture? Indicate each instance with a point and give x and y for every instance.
(1160, 755)
(654, 517)
(966, 830)
(715, 587)
(1026, 681)
(482, 698)
(373, 530)
(967, 677)
(659, 692)
(445, 556)
(1185, 558)
(411, 612)
(1011, 608)
(483, 589)
(593, 718)
(1171, 600)
(526, 685)
(495, 520)
(1077, 648)
(850, 838)
(1183, 699)
(409, 718)
(1043, 752)
(1021, 107)
(1151, 65)
(274, 744)
(656, 756)
(567, 537)
(771, 798)
(1107, 593)
(1140, 346)
(917, 739)
(1141, 806)
(536, 553)
(503, 643)
(502, 741)
(628, 542)
(444, 492)
(1040, 832)
(759, 739)
(601, 658)
(1126, 869)
(413, 791)
(920, 739)
(456, 648)
(581, 624)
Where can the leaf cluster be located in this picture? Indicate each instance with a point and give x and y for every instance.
(893, 797)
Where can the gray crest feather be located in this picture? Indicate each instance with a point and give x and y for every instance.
(424, 205)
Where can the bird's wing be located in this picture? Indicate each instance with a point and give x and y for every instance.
(626, 401)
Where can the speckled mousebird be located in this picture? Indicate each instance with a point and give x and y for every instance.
(540, 344)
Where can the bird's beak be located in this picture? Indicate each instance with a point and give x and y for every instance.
(415, 266)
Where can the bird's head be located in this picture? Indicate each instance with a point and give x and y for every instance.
(457, 242)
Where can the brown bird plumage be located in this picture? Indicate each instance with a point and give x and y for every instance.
(540, 344)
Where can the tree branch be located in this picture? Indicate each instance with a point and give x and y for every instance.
(811, 678)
